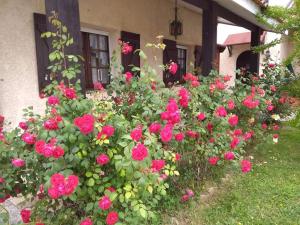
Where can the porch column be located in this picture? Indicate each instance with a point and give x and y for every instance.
(255, 41)
(209, 37)
(68, 13)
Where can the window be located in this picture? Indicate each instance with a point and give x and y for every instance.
(181, 60)
(96, 54)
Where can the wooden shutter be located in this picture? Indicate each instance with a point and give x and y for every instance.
(170, 54)
(132, 58)
(198, 59)
(42, 51)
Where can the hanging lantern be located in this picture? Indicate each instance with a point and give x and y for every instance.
(176, 25)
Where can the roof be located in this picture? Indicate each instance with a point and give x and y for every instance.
(237, 39)
(241, 38)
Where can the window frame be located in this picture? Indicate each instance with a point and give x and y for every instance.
(185, 49)
(87, 53)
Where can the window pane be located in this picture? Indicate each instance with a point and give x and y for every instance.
(103, 59)
(94, 59)
(103, 76)
(93, 41)
(95, 75)
(103, 42)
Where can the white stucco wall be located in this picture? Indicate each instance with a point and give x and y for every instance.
(18, 70)
(228, 63)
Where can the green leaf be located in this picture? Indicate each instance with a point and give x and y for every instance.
(91, 182)
(143, 213)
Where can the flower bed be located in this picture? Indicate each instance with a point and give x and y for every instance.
(111, 161)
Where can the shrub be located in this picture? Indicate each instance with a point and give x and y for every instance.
(91, 161)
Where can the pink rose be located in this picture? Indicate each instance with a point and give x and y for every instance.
(230, 104)
(177, 156)
(221, 111)
(179, 137)
(166, 133)
(53, 100)
(233, 120)
(86, 221)
(173, 67)
(23, 125)
(139, 152)
(18, 162)
(51, 124)
(112, 218)
(154, 128)
(102, 159)
(213, 160)
(107, 130)
(25, 215)
(126, 48)
(29, 138)
(201, 116)
(104, 203)
(136, 134)
(98, 86)
(229, 156)
(85, 123)
(70, 93)
(246, 166)
(157, 165)
(128, 76)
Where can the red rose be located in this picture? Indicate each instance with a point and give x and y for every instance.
(70, 93)
(58, 152)
(238, 132)
(157, 165)
(221, 111)
(201, 116)
(107, 130)
(85, 123)
(213, 160)
(233, 120)
(112, 218)
(136, 134)
(18, 162)
(185, 198)
(154, 128)
(234, 142)
(173, 67)
(179, 137)
(128, 76)
(25, 215)
(23, 125)
(102, 159)
(246, 166)
(51, 124)
(229, 156)
(139, 152)
(53, 100)
(177, 156)
(166, 133)
(126, 48)
(230, 105)
(29, 138)
(98, 86)
(86, 221)
(104, 203)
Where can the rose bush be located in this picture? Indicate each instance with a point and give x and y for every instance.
(90, 161)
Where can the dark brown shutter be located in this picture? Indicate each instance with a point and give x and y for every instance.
(131, 59)
(170, 54)
(42, 51)
(198, 59)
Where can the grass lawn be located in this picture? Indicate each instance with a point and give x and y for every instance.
(270, 194)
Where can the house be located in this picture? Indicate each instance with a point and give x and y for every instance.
(96, 25)
(237, 53)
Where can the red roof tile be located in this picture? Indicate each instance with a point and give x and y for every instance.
(239, 38)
